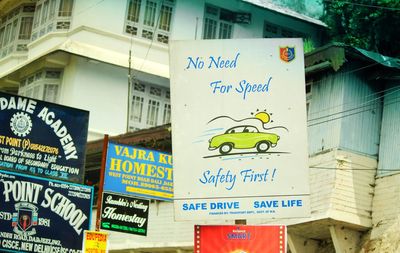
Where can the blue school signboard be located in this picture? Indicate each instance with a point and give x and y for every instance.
(137, 171)
(42, 139)
(38, 215)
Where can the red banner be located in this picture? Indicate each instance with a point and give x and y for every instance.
(240, 239)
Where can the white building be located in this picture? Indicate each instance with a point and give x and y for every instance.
(81, 53)
(76, 53)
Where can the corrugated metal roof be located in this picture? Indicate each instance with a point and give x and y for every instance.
(336, 53)
(270, 6)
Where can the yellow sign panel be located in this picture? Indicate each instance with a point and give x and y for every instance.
(95, 242)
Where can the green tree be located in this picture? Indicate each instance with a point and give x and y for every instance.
(370, 24)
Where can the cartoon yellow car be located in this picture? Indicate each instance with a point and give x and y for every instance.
(243, 137)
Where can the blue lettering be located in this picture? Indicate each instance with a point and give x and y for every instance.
(292, 203)
(265, 204)
(221, 88)
(247, 88)
(194, 206)
(195, 64)
(224, 205)
(215, 179)
(220, 63)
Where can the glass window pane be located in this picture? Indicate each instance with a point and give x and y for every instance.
(134, 10)
(45, 12)
(225, 31)
(28, 93)
(152, 112)
(52, 9)
(25, 29)
(167, 114)
(50, 92)
(150, 13)
(14, 30)
(136, 109)
(37, 16)
(210, 28)
(35, 94)
(7, 34)
(165, 18)
(1, 36)
(65, 9)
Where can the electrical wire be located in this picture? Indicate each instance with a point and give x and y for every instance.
(152, 40)
(344, 74)
(356, 103)
(364, 5)
(362, 105)
(90, 7)
(397, 100)
(349, 169)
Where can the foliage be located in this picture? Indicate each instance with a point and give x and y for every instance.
(369, 24)
(308, 45)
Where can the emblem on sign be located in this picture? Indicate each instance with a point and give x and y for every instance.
(25, 218)
(287, 54)
(21, 124)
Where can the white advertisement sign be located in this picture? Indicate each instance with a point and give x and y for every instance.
(239, 129)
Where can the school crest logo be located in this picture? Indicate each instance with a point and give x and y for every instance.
(21, 124)
(287, 54)
(25, 219)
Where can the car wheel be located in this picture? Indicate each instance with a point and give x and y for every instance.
(263, 146)
(225, 148)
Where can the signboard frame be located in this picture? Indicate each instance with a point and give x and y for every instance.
(34, 209)
(240, 152)
(138, 171)
(117, 209)
(43, 139)
(240, 238)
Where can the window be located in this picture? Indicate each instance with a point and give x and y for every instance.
(134, 10)
(152, 112)
(25, 29)
(65, 8)
(275, 31)
(15, 30)
(51, 15)
(150, 106)
(218, 23)
(137, 109)
(45, 12)
(42, 85)
(167, 114)
(50, 92)
(150, 19)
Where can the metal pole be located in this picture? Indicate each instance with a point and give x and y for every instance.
(129, 91)
(101, 181)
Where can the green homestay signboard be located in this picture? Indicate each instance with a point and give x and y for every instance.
(124, 214)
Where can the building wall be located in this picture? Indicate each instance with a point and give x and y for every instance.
(362, 115)
(345, 112)
(385, 236)
(106, 15)
(327, 101)
(99, 88)
(389, 159)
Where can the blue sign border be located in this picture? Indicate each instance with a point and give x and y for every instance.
(46, 224)
(138, 171)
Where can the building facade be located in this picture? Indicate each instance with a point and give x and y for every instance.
(111, 58)
(98, 55)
